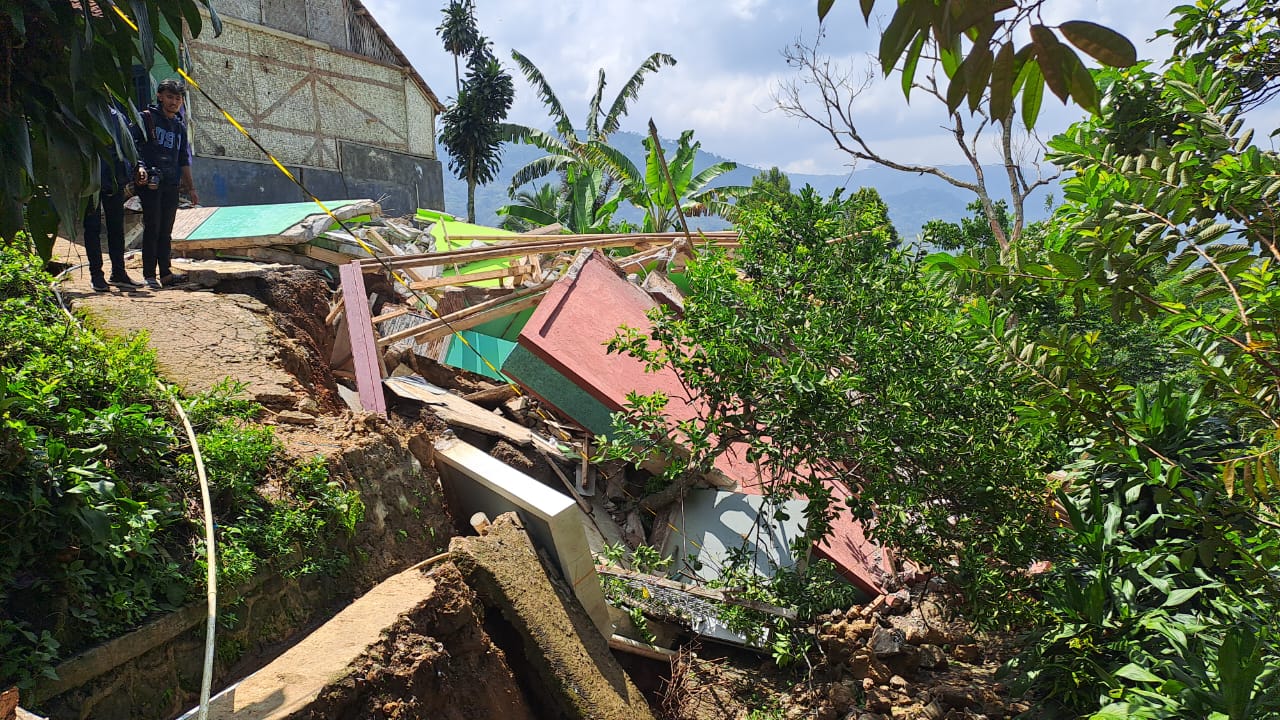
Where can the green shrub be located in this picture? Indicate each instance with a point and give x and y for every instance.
(95, 487)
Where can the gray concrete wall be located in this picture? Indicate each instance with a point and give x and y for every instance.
(406, 181)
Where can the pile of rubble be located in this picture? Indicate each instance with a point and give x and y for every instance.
(898, 657)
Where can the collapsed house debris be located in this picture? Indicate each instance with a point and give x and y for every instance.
(521, 321)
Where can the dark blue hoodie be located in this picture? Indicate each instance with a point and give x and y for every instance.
(166, 149)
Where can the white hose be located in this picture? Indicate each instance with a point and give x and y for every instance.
(206, 682)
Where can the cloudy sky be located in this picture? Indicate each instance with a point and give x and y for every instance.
(730, 64)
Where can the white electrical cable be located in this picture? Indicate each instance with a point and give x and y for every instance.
(206, 681)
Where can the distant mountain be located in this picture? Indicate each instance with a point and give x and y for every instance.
(913, 199)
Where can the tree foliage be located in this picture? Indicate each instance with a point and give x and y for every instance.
(583, 203)
(472, 129)
(664, 202)
(985, 58)
(1241, 37)
(64, 64)
(459, 34)
(567, 146)
(822, 352)
(1169, 599)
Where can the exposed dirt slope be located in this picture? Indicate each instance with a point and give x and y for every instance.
(435, 663)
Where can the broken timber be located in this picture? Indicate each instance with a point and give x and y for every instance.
(539, 245)
(364, 349)
(470, 317)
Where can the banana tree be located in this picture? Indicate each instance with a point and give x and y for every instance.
(582, 205)
(663, 202)
(566, 146)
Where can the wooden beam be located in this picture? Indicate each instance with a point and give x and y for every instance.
(231, 243)
(469, 318)
(373, 238)
(336, 259)
(276, 255)
(553, 244)
(514, 270)
(364, 346)
(552, 229)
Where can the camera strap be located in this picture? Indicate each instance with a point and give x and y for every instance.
(150, 123)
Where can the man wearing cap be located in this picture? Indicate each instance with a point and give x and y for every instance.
(164, 170)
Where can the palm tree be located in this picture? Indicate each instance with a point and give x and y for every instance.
(459, 34)
(567, 146)
(472, 129)
(650, 191)
(545, 204)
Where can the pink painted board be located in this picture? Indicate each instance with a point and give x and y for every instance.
(364, 347)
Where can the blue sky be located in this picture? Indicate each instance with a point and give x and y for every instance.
(729, 67)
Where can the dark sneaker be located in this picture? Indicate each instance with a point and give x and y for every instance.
(153, 283)
(99, 285)
(173, 279)
(125, 282)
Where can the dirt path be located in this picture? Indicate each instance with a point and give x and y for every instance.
(199, 336)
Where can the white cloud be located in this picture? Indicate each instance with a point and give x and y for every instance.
(729, 62)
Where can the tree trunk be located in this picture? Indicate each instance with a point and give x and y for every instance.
(471, 197)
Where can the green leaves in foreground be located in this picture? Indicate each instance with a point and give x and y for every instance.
(984, 60)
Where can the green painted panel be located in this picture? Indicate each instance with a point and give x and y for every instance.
(493, 349)
(254, 220)
(555, 388)
(508, 327)
(428, 215)
(454, 228)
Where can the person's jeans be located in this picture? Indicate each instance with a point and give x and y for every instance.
(110, 204)
(159, 209)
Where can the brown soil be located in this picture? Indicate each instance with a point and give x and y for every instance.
(940, 670)
(435, 663)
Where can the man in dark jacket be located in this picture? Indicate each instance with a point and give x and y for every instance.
(109, 202)
(164, 170)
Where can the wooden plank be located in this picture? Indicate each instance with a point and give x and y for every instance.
(455, 410)
(470, 317)
(559, 243)
(334, 312)
(364, 347)
(375, 239)
(328, 256)
(513, 271)
(489, 252)
(492, 396)
(393, 314)
(234, 243)
(276, 255)
(552, 229)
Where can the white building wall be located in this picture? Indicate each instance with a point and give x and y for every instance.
(300, 97)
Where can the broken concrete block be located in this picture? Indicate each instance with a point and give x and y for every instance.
(577, 673)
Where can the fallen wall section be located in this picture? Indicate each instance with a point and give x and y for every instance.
(477, 482)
